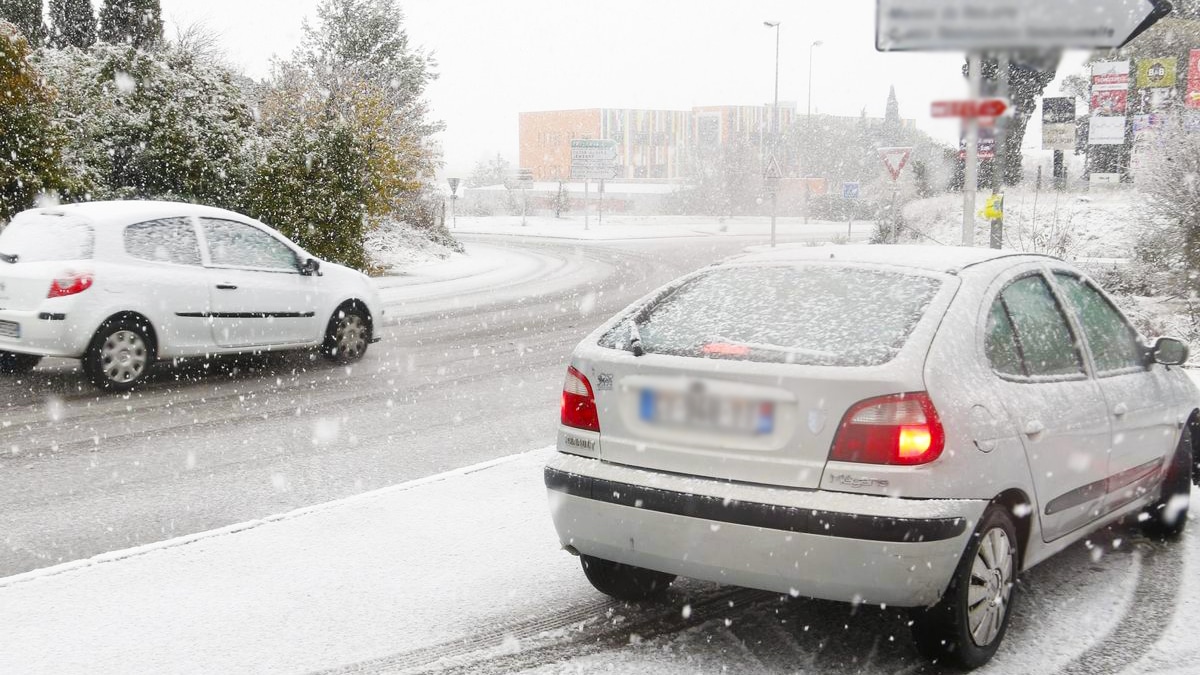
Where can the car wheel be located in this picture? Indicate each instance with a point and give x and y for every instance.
(1167, 517)
(347, 336)
(624, 582)
(17, 364)
(120, 355)
(967, 625)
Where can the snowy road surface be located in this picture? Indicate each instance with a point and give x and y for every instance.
(470, 366)
(461, 573)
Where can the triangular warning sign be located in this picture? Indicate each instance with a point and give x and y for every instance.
(772, 170)
(895, 160)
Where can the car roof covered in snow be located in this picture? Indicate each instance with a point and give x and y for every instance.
(932, 258)
(118, 213)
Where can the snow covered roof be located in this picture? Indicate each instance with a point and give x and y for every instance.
(131, 211)
(933, 258)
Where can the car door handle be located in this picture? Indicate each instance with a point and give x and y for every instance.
(226, 287)
(1033, 428)
(1120, 409)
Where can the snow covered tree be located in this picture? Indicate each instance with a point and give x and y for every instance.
(1173, 191)
(30, 140)
(73, 24)
(26, 15)
(151, 124)
(891, 118)
(312, 186)
(490, 172)
(134, 22)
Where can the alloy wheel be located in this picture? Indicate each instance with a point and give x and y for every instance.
(991, 586)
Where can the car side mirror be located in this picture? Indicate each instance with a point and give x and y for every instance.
(1169, 352)
(311, 267)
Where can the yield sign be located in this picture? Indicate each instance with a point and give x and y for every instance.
(895, 159)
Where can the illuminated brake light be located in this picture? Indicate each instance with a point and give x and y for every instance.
(898, 429)
(578, 402)
(70, 284)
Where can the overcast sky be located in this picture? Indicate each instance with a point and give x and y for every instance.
(499, 57)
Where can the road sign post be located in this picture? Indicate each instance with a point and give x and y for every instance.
(894, 160)
(453, 198)
(592, 159)
(772, 174)
(850, 192)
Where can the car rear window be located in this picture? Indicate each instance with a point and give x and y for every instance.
(807, 314)
(47, 239)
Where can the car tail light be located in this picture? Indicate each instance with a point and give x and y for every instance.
(578, 402)
(897, 429)
(70, 283)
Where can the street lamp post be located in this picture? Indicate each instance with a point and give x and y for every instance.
(774, 128)
(808, 118)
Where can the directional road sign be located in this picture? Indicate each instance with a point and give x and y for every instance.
(954, 25)
(593, 159)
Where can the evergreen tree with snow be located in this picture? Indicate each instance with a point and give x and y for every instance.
(31, 141)
(26, 15)
(891, 118)
(73, 24)
(134, 22)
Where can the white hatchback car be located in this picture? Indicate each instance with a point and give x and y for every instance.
(903, 425)
(122, 284)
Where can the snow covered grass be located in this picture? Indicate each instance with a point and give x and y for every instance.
(395, 245)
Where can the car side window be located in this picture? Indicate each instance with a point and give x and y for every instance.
(233, 244)
(1001, 344)
(1041, 333)
(1113, 342)
(167, 240)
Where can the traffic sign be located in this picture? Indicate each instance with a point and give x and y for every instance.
(850, 190)
(772, 170)
(895, 159)
(593, 159)
(453, 185)
(984, 107)
(953, 25)
(519, 179)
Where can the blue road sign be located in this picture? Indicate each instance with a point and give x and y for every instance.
(850, 190)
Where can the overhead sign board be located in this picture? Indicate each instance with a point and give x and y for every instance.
(957, 25)
(984, 107)
(895, 159)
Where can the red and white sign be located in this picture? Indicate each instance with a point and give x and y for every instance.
(1110, 87)
(895, 159)
(1192, 100)
(984, 107)
(1110, 102)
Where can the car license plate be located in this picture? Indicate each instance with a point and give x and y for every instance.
(701, 411)
(10, 329)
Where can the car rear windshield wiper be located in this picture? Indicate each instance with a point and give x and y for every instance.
(635, 338)
(9, 258)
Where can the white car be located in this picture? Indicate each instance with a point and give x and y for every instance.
(907, 426)
(120, 285)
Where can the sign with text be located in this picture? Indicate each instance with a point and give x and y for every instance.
(1058, 123)
(1159, 72)
(1104, 130)
(593, 159)
(958, 25)
(985, 146)
(1110, 87)
(984, 107)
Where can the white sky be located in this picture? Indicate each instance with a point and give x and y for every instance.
(499, 57)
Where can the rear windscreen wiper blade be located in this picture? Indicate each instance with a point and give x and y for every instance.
(635, 339)
(9, 257)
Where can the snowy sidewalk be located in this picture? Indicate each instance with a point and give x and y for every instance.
(377, 574)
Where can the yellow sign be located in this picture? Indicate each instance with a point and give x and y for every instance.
(994, 209)
(1158, 72)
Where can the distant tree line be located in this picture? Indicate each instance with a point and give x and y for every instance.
(335, 141)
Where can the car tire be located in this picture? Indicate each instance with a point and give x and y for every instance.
(964, 629)
(624, 582)
(120, 354)
(17, 364)
(347, 336)
(1167, 517)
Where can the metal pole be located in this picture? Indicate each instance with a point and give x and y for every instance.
(601, 218)
(809, 100)
(524, 205)
(971, 160)
(775, 135)
(453, 213)
(999, 156)
(586, 225)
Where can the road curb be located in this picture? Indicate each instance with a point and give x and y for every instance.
(137, 551)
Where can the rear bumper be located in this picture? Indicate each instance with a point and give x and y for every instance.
(46, 333)
(834, 546)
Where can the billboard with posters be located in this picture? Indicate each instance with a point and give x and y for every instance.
(1192, 100)
(1110, 87)
(1058, 123)
(1158, 72)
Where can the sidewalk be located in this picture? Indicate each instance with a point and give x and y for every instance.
(619, 227)
(372, 575)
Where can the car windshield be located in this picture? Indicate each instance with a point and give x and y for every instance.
(801, 314)
(45, 239)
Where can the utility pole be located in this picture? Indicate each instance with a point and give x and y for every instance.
(999, 155)
(774, 133)
(971, 157)
(808, 120)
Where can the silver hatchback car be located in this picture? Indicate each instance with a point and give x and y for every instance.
(903, 425)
